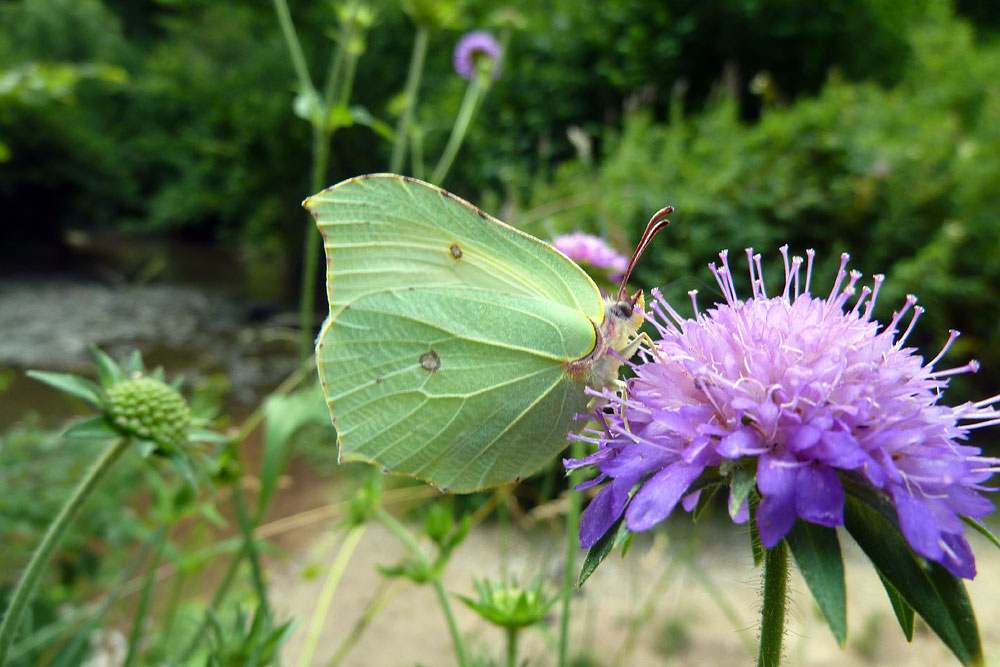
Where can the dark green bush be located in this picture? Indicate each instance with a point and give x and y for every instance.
(904, 178)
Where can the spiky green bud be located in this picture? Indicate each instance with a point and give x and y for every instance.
(149, 409)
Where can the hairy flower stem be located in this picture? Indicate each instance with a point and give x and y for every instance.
(406, 537)
(577, 450)
(410, 94)
(333, 577)
(29, 579)
(772, 628)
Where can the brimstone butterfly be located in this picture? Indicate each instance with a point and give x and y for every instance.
(457, 349)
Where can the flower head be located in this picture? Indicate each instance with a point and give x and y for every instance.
(592, 251)
(471, 48)
(805, 392)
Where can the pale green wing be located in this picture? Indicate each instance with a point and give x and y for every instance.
(461, 386)
(384, 231)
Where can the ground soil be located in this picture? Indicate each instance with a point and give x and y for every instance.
(686, 596)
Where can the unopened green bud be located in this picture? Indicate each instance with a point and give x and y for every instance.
(149, 408)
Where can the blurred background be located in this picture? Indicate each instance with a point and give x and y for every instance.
(154, 154)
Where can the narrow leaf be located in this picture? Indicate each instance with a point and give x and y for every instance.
(704, 500)
(70, 384)
(742, 483)
(108, 372)
(284, 416)
(817, 553)
(135, 366)
(601, 549)
(96, 428)
(903, 611)
(935, 594)
(758, 550)
(982, 530)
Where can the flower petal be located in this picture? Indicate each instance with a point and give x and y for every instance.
(659, 495)
(819, 496)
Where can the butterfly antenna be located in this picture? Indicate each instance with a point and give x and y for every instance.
(656, 223)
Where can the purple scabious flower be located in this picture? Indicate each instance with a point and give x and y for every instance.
(802, 390)
(592, 251)
(472, 46)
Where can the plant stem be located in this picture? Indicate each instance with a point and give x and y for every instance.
(406, 537)
(326, 594)
(473, 94)
(29, 579)
(772, 627)
(410, 93)
(143, 607)
(91, 614)
(572, 546)
(512, 635)
(250, 546)
(310, 250)
(294, 48)
(379, 599)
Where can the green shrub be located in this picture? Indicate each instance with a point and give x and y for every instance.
(903, 178)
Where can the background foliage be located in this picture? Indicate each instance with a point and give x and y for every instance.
(863, 126)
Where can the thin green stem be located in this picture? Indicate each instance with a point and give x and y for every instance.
(772, 628)
(473, 94)
(512, 635)
(326, 594)
(379, 599)
(90, 614)
(310, 250)
(572, 546)
(143, 607)
(250, 546)
(170, 616)
(29, 579)
(294, 48)
(410, 94)
(220, 595)
(407, 538)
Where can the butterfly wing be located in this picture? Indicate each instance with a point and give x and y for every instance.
(444, 353)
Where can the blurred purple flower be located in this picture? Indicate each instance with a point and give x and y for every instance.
(800, 388)
(592, 251)
(472, 46)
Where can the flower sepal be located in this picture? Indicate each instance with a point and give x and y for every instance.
(922, 585)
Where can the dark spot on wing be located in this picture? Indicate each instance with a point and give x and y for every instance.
(378, 380)
(430, 361)
(482, 213)
(456, 251)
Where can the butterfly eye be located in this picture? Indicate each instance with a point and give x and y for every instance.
(623, 309)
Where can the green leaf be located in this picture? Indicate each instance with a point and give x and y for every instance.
(742, 483)
(206, 435)
(704, 500)
(284, 416)
(135, 365)
(95, 428)
(758, 550)
(108, 372)
(364, 117)
(817, 553)
(982, 530)
(934, 593)
(70, 384)
(903, 611)
(339, 116)
(601, 549)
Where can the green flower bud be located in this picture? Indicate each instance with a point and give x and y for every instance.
(149, 409)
